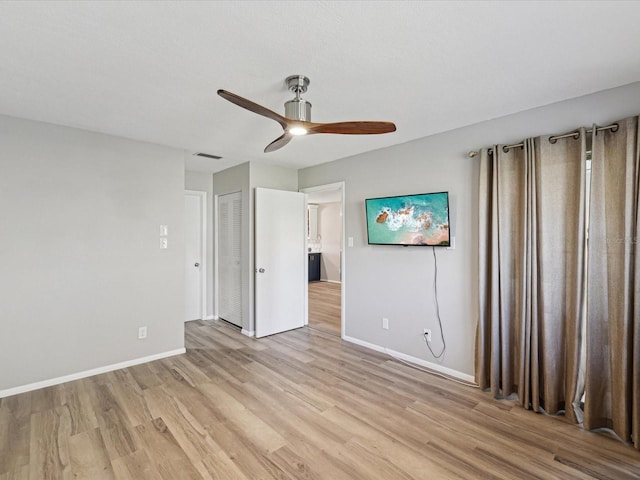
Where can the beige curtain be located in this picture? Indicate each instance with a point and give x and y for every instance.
(612, 382)
(532, 247)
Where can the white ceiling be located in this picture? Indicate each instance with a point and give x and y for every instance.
(150, 70)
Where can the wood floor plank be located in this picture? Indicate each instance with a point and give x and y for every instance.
(218, 466)
(386, 445)
(14, 441)
(297, 466)
(49, 450)
(187, 430)
(135, 466)
(299, 405)
(145, 376)
(292, 420)
(117, 433)
(226, 365)
(315, 398)
(182, 368)
(253, 462)
(129, 396)
(170, 461)
(78, 403)
(47, 398)
(20, 473)
(88, 457)
(263, 437)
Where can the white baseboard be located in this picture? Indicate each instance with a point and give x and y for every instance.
(215, 317)
(87, 373)
(418, 361)
(210, 317)
(330, 281)
(248, 333)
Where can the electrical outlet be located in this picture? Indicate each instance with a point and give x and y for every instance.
(427, 334)
(385, 323)
(142, 333)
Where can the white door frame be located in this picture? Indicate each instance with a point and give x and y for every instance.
(202, 196)
(216, 280)
(343, 271)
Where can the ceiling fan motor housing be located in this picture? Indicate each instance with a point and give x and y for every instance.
(298, 109)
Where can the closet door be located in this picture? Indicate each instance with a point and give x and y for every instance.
(230, 257)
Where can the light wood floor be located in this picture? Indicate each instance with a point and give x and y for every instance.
(300, 405)
(324, 306)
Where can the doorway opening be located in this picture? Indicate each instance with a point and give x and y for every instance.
(325, 249)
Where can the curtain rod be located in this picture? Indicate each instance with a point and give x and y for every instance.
(553, 139)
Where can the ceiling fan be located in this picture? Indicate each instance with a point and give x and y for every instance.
(297, 116)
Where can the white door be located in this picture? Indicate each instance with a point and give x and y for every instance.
(280, 231)
(193, 278)
(230, 258)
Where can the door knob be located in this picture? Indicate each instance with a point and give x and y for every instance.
(196, 264)
(261, 270)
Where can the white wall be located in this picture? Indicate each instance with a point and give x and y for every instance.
(330, 230)
(81, 268)
(397, 282)
(203, 182)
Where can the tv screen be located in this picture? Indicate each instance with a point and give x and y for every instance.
(409, 220)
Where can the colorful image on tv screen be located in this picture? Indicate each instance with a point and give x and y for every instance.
(409, 220)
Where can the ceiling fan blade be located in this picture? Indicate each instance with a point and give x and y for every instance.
(278, 142)
(253, 107)
(353, 128)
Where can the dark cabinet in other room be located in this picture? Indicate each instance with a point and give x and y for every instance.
(314, 267)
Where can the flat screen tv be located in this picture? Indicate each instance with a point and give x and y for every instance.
(421, 219)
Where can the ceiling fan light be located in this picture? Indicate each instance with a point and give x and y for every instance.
(298, 131)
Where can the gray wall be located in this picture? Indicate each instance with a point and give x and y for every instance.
(203, 182)
(81, 268)
(396, 282)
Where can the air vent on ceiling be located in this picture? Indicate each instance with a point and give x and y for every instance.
(200, 154)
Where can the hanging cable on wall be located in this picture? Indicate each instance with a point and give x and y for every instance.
(435, 292)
